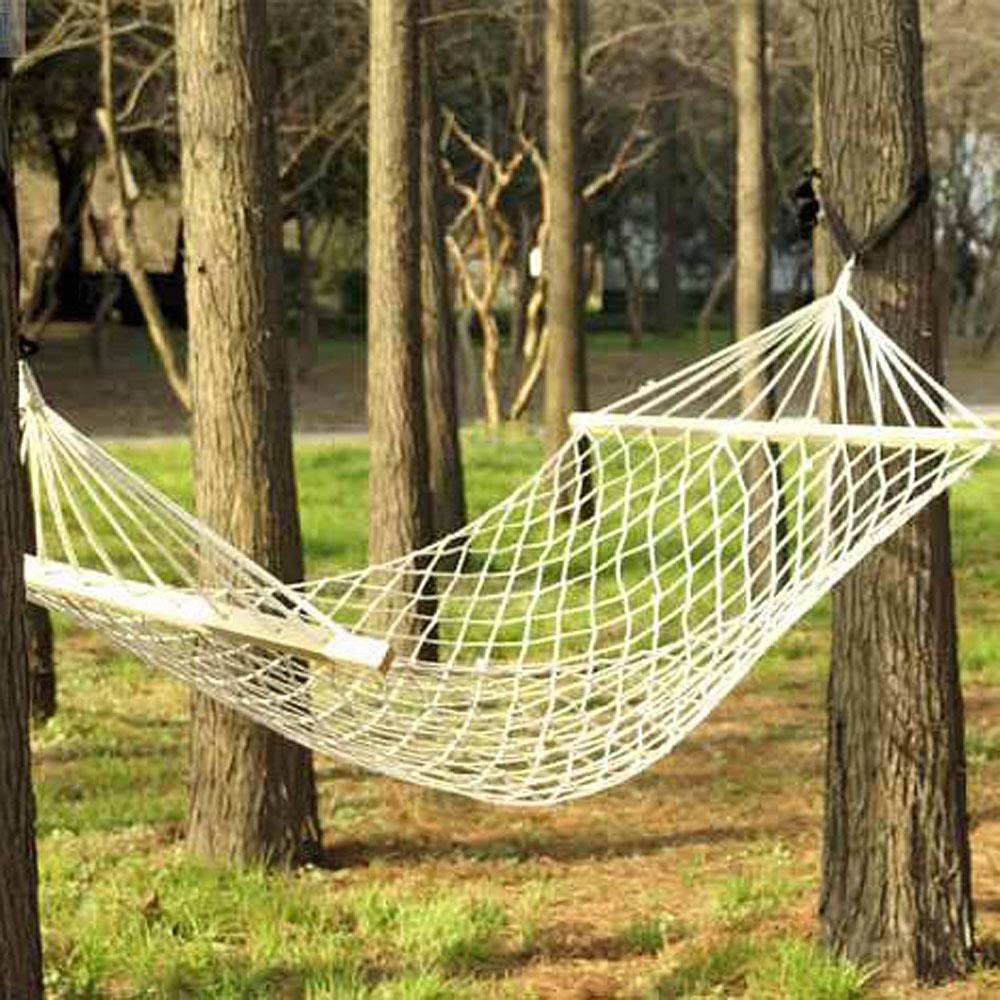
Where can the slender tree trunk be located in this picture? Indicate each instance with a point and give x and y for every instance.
(253, 796)
(752, 241)
(823, 263)
(753, 271)
(447, 484)
(20, 946)
(666, 224)
(39, 636)
(565, 384)
(40, 640)
(308, 346)
(707, 312)
(896, 869)
(73, 176)
(398, 497)
(522, 292)
(123, 221)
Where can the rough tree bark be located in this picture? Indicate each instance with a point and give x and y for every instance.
(253, 796)
(565, 366)
(896, 869)
(399, 508)
(444, 454)
(20, 947)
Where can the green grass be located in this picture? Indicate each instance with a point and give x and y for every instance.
(192, 930)
(776, 969)
(127, 913)
(744, 900)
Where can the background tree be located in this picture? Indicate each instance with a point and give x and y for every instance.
(20, 947)
(253, 793)
(565, 370)
(896, 881)
(447, 484)
(667, 232)
(753, 277)
(398, 500)
(753, 243)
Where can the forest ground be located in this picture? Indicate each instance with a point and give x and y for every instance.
(698, 878)
(128, 397)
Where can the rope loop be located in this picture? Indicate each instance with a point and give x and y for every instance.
(917, 192)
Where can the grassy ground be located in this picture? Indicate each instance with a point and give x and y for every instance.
(697, 879)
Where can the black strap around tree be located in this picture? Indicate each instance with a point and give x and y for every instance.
(916, 193)
(8, 209)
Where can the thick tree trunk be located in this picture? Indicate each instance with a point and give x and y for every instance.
(253, 795)
(20, 947)
(447, 484)
(398, 496)
(896, 870)
(565, 383)
(665, 193)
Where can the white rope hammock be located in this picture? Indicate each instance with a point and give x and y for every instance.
(574, 634)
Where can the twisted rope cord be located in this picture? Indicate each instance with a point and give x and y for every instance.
(561, 654)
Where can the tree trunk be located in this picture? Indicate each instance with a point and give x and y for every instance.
(752, 242)
(40, 640)
(444, 456)
(522, 292)
(20, 946)
(308, 346)
(565, 360)
(711, 304)
(398, 498)
(123, 221)
(634, 291)
(896, 869)
(39, 636)
(253, 796)
(565, 385)
(73, 170)
(823, 263)
(767, 554)
(666, 224)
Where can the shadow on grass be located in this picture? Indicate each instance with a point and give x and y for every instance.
(552, 846)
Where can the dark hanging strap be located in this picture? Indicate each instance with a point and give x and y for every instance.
(27, 348)
(8, 206)
(917, 193)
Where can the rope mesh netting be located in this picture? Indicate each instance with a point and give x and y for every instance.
(569, 637)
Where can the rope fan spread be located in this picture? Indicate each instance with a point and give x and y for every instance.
(569, 637)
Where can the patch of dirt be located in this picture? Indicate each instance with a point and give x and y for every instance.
(128, 396)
